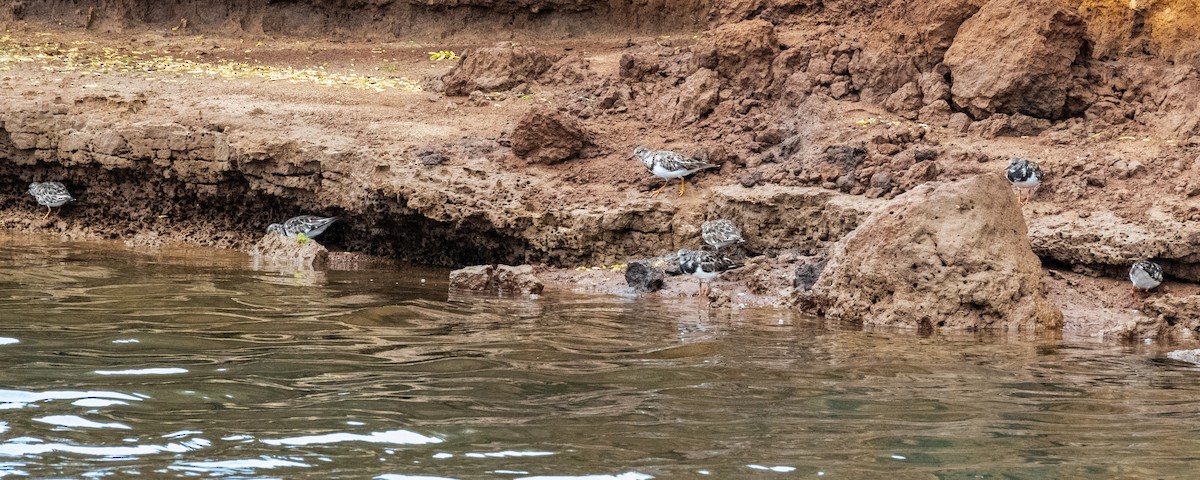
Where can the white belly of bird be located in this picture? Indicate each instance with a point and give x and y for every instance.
(1030, 182)
(661, 172)
(703, 275)
(1142, 280)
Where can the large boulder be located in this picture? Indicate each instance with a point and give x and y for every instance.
(544, 135)
(952, 255)
(497, 68)
(1015, 56)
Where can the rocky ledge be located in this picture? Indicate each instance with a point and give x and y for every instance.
(825, 120)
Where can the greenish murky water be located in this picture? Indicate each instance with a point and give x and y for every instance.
(186, 364)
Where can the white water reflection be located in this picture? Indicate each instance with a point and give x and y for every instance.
(507, 453)
(393, 476)
(398, 437)
(778, 468)
(623, 476)
(239, 467)
(97, 402)
(23, 446)
(143, 371)
(10, 399)
(77, 421)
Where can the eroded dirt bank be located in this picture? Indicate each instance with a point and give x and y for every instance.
(207, 130)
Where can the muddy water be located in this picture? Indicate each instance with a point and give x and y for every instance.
(191, 364)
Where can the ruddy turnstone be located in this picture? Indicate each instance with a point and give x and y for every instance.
(705, 266)
(309, 225)
(667, 165)
(721, 233)
(1024, 174)
(50, 194)
(1145, 275)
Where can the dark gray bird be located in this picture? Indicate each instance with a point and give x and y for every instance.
(1024, 174)
(309, 225)
(705, 266)
(1145, 275)
(668, 165)
(50, 194)
(721, 233)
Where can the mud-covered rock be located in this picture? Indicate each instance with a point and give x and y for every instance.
(643, 277)
(803, 219)
(1166, 28)
(909, 39)
(1175, 316)
(518, 279)
(475, 277)
(429, 156)
(743, 52)
(698, 96)
(498, 279)
(501, 67)
(1015, 56)
(906, 101)
(952, 255)
(282, 252)
(1104, 239)
(807, 274)
(544, 135)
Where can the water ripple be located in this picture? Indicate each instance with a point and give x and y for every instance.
(126, 366)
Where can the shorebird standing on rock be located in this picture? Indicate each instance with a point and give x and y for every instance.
(705, 266)
(1024, 174)
(50, 194)
(667, 165)
(1145, 275)
(307, 225)
(721, 233)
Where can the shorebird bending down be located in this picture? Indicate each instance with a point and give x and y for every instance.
(1145, 275)
(667, 165)
(50, 194)
(309, 225)
(721, 233)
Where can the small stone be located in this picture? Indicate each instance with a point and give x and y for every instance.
(807, 275)
(430, 156)
(882, 180)
(643, 277)
(959, 123)
(888, 149)
(750, 179)
(839, 89)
